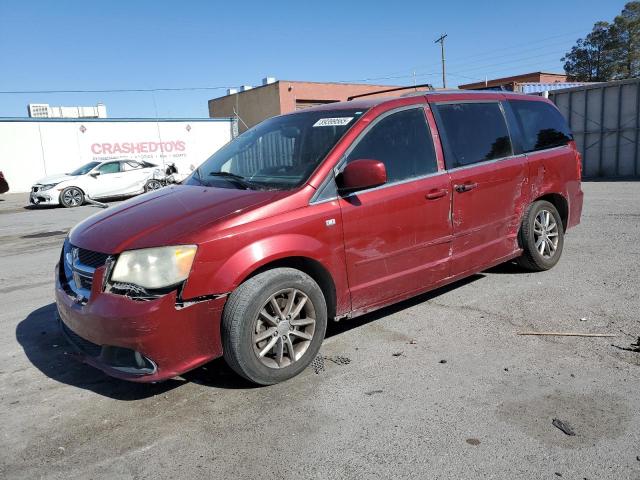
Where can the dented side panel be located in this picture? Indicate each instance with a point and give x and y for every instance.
(486, 218)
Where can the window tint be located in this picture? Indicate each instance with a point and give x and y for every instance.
(127, 166)
(113, 167)
(542, 125)
(280, 152)
(474, 132)
(402, 142)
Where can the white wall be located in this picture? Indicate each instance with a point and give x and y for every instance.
(30, 150)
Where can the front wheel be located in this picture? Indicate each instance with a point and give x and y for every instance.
(71, 197)
(273, 325)
(541, 237)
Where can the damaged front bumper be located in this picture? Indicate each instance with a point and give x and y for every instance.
(46, 197)
(141, 341)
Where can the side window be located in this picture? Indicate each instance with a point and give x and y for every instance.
(474, 132)
(112, 167)
(542, 125)
(402, 141)
(128, 166)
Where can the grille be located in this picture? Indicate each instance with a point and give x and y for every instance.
(92, 259)
(85, 346)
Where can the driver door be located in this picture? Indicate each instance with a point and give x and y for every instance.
(397, 236)
(107, 182)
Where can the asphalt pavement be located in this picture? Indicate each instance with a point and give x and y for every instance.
(438, 387)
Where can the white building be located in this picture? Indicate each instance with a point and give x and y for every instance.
(34, 148)
(44, 110)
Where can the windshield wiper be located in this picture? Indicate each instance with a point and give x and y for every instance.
(238, 179)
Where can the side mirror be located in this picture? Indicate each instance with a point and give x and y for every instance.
(361, 174)
(94, 174)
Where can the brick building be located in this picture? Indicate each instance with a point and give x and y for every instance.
(275, 97)
(512, 83)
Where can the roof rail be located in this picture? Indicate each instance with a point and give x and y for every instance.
(428, 85)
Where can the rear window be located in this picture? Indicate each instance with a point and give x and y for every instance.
(542, 125)
(473, 132)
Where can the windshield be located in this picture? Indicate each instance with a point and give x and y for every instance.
(83, 170)
(279, 153)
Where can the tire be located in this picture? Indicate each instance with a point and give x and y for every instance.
(152, 185)
(244, 323)
(531, 241)
(71, 197)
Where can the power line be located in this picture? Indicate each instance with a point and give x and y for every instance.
(441, 42)
(478, 59)
(117, 90)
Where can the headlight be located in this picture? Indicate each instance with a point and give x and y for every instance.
(48, 186)
(154, 267)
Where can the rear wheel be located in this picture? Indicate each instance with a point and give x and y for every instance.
(71, 197)
(152, 185)
(541, 237)
(273, 325)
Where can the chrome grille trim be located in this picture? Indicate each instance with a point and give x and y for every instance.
(79, 265)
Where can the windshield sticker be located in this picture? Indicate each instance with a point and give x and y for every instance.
(333, 122)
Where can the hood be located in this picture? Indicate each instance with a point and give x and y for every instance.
(60, 177)
(164, 217)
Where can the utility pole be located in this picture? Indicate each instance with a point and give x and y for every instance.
(441, 42)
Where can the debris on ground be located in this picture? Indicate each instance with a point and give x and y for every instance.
(473, 441)
(397, 354)
(442, 361)
(634, 347)
(568, 334)
(412, 342)
(318, 364)
(373, 392)
(339, 360)
(563, 427)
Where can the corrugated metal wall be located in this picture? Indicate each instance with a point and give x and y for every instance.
(605, 119)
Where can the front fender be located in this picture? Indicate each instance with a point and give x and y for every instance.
(252, 257)
(224, 276)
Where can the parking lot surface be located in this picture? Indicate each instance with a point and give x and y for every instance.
(437, 387)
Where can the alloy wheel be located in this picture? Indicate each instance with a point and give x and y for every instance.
(72, 197)
(545, 233)
(284, 328)
(153, 185)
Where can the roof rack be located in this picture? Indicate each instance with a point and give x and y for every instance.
(428, 85)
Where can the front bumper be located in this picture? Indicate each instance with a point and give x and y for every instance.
(46, 197)
(168, 340)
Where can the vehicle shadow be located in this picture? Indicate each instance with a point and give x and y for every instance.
(336, 328)
(47, 349)
(105, 201)
(510, 268)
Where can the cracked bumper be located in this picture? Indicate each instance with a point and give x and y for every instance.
(173, 340)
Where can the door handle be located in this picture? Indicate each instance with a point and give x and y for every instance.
(465, 187)
(433, 194)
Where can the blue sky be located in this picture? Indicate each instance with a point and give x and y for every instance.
(106, 45)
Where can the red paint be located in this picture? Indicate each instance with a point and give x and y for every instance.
(360, 174)
(377, 246)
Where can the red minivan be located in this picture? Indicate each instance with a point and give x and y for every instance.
(325, 213)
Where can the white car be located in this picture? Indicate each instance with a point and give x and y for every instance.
(113, 178)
